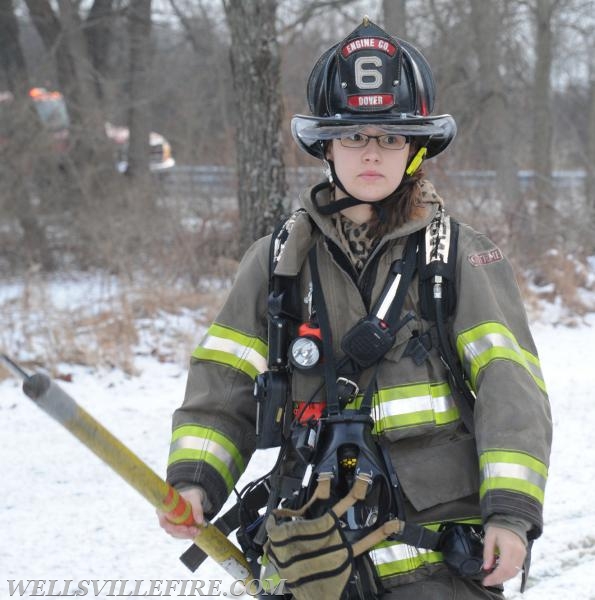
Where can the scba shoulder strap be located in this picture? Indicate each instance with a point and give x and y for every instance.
(283, 315)
(437, 263)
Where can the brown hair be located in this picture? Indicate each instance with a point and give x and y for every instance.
(403, 205)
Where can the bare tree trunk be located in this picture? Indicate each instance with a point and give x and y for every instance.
(19, 130)
(90, 110)
(496, 130)
(255, 64)
(11, 56)
(395, 17)
(139, 114)
(98, 32)
(542, 122)
(49, 28)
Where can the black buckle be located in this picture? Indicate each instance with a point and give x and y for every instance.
(418, 347)
(347, 390)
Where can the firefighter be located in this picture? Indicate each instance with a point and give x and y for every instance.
(371, 97)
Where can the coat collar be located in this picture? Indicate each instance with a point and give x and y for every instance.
(327, 227)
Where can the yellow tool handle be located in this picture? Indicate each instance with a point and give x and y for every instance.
(58, 404)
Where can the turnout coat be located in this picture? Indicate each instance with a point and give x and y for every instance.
(446, 474)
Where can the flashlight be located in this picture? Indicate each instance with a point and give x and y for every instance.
(305, 351)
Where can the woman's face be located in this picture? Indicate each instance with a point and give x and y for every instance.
(370, 173)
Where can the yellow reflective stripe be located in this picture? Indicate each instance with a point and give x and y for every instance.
(235, 349)
(197, 443)
(481, 345)
(513, 471)
(412, 405)
(396, 558)
(445, 408)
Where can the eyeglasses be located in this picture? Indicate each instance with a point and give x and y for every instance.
(389, 141)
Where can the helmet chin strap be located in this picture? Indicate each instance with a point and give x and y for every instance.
(350, 200)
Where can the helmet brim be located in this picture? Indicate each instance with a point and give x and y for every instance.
(309, 131)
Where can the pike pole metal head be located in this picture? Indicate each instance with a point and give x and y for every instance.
(11, 366)
(34, 385)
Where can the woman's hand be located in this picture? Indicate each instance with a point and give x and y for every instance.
(195, 497)
(510, 551)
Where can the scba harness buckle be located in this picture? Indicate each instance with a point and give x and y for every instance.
(347, 391)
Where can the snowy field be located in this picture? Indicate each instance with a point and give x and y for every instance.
(65, 516)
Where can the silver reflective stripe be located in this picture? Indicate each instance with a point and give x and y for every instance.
(535, 370)
(443, 403)
(404, 406)
(514, 471)
(389, 554)
(390, 296)
(203, 444)
(492, 341)
(213, 342)
(487, 342)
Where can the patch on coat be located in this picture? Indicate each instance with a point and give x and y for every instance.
(486, 258)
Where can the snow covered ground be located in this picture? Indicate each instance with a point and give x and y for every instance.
(65, 516)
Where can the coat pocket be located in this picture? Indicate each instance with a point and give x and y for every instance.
(436, 474)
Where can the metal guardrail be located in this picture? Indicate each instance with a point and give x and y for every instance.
(220, 181)
(213, 181)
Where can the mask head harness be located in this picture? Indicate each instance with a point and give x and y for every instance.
(371, 79)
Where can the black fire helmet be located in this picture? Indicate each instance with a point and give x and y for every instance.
(372, 78)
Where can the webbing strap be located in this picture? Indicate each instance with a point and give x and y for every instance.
(418, 536)
(322, 492)
(406, 269)
(405, 532)
(357, 492)
(378, 535)
(330, 371)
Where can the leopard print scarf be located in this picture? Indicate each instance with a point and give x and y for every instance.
(357, 240)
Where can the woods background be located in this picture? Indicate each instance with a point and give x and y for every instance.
(221, 80)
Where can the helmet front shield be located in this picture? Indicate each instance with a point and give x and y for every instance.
(311, 132)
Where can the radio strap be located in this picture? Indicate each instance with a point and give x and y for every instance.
(391, 301)
(330, 371)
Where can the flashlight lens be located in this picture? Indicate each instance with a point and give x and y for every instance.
(305, 352)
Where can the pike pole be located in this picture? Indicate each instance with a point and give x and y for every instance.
(59, 405)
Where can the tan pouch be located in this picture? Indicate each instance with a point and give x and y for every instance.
(311, 555)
